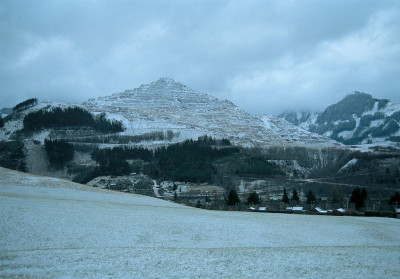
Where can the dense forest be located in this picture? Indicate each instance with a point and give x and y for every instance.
(69, 117)
(59, 152)
(191, 161)
(12, 155)
(257, 165)
(25, 105)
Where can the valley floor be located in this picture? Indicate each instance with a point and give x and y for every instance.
(54, 228)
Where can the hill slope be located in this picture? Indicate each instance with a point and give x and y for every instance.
(288, 132)
(164, 112)
(168, 105)
(52, 228)
(357, 119)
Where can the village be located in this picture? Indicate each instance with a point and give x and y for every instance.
(214, 197)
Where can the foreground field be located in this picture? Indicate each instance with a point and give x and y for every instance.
(53, 228)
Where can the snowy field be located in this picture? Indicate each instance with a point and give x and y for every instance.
(56, 229)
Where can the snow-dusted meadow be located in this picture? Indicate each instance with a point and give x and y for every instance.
(52, 228)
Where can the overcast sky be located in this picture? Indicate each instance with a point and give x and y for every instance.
(265, 56)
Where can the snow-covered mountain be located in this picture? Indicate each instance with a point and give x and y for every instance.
(179, 112)
(357, 119)
(5, 111)
(168, 105)
(14, 122)
(288, 132)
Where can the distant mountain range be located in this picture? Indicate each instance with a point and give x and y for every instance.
(6, 111)
(357, 119)
(169, 106)
(277, 152)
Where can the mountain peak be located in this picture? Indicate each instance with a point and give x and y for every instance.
(162, 86)
(358, 118)
(165, 82)
(166, 105)
(360, 94)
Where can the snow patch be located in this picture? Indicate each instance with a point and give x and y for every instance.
(348, 164)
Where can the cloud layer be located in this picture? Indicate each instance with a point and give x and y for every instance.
(265, 56)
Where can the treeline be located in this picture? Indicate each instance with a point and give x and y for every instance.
(126, 139)
(114, 161)
(25, 105)
(12, 155)
(1, 122)
(190, 160)
(195, 161)
(69, 117)
(373, 168)
(102, 124)
(59, 152)
(257, 165)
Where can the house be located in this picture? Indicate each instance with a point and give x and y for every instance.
(295, 209)
(339, 211)
(320, 210)
(259, 209)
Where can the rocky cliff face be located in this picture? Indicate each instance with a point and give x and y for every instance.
(357, 119)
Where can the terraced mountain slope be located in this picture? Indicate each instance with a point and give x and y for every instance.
(168, 105)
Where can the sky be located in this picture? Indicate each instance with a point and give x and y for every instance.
(265, 56)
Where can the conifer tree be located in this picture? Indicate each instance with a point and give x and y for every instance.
(233, 198)
(176, 199)
(285, 197)
(358, 196)
(253, 198)
(310, 197)
(395, 199)
(295, 196)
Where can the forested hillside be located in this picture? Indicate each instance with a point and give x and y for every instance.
(69, 117)
(191, 161)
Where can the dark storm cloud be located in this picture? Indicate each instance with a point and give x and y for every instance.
(266, 56)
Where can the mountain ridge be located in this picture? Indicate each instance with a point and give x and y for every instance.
(162, 113)
(357, 119)
(168, 105)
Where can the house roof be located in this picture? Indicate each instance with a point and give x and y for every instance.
(320, 210)
(295, 208)
(298, 208)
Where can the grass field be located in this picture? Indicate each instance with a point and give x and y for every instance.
(55, 229)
